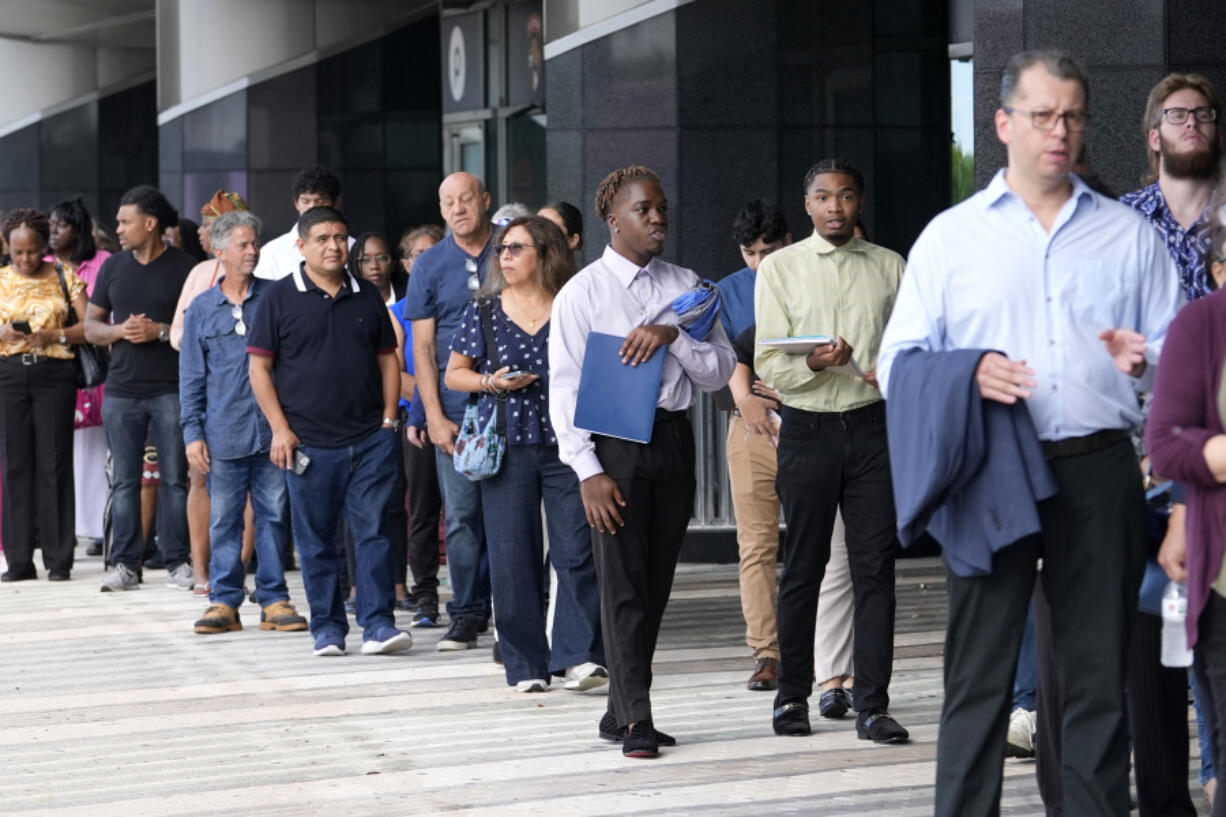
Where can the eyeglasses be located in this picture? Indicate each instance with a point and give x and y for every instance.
(516, 248)
(1177, 116)
(474, 283)
(1074, 121)
(366, 260)
(236, 312)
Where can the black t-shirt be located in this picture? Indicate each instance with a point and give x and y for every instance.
(126, 287)
(325, 352)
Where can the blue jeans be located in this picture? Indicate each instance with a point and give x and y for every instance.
(1202, 736)
(355, 480)
(229, 481)
(512, 504)
(1025, 682)
(128, 421)
(467, 557)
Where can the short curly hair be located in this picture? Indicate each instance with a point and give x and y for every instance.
(36, 220)
(612, 185)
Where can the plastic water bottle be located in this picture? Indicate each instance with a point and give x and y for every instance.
(1175, 652)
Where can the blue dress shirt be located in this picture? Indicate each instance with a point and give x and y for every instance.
(736, 290)
(216, 401)
(984, 274)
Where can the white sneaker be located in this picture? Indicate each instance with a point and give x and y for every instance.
(585, 676)
(181, 578)
(532, 685)
(1022, 729)
(388, 641)
(120, 577)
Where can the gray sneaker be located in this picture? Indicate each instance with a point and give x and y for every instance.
(120, 577)
(181, 578)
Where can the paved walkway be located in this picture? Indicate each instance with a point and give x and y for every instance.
(109, 704)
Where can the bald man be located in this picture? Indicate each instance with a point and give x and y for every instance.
(443, 282)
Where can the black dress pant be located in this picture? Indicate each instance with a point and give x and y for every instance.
(635, 565)
(1210, 669)
(425, 508)
(1093, 549)
(829, 461)
(397, 515)
(37, 403)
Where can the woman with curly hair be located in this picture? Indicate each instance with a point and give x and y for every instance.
(38, 388)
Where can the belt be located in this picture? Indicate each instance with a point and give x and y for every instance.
(872, 410)
(1075, 446)
(666, 416)
(27, 358)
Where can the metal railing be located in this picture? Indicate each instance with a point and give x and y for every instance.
(713, 498)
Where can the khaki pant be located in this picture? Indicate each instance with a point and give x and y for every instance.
(751, 474)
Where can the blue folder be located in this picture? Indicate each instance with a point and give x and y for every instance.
(616, 399)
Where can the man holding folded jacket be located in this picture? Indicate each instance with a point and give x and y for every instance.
(832, 444)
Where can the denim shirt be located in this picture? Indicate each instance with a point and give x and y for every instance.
(215, 394)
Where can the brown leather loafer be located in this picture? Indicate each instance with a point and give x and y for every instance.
(765, 675)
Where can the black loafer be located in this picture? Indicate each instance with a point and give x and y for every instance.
(877, 726)
(834, 703)
(792, 718)
(608, 731)
(641, 741)
(58, 576)
(15, 575)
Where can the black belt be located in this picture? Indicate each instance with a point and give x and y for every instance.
(666, 416)
(1075, 446)
(28, 358)
(871, 411)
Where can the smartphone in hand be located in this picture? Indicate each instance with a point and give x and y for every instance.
(23, 327)
(513, 375)
(300, 463)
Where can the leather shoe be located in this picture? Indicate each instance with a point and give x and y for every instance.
(877, 725)
(765, 675)
(15, 575)
(791, 718)
(641, 741)
(834, 703)
(608, 731)
(58, 576)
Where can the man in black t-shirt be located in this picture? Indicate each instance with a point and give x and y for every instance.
(138, 289)
(324, 370)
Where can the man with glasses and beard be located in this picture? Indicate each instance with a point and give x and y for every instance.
(444, 280)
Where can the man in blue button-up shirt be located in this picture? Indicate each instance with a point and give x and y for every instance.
(1070, 294)
(228, 438)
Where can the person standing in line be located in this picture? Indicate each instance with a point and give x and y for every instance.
(138, 288)
(420, 463)
(323, 369)
(72, 245)
(638, 497)
(1071, 321)
(443, 282)
(228, 439)
(315, 186)
(37, 398)
(832, 443)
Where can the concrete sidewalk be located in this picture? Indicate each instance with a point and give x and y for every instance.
(111, 705)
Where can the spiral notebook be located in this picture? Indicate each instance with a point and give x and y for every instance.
(616, 399)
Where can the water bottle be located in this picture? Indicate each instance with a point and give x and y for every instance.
(1175, 652)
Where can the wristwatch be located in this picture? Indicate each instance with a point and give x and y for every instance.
(63, 339)
(394, 425)
(163, 332)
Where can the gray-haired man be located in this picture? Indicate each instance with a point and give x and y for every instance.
(228, 438)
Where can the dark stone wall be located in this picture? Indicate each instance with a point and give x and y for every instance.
(730, 106)
(371, 113)
(1127, 46)
(95, 150)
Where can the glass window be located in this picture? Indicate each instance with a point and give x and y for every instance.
(962, 115)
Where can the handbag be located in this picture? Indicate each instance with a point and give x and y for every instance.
(479, 451)
(91, 361)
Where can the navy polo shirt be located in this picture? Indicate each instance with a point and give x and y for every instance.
(325, 356)
(438, 289)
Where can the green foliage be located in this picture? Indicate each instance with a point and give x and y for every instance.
(962, 169)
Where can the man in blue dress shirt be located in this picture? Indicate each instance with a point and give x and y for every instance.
(1070, 293)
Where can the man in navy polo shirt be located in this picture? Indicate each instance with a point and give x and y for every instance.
(444, 280)
(327, 341)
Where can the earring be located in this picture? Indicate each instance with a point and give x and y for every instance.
(617, 229)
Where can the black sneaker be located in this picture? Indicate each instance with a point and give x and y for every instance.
(462, 635)
(426, 615)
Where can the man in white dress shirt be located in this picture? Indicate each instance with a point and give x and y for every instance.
(314, 187)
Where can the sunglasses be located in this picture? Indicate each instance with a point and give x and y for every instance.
(474, 283)
(236, 312)
(516, 248)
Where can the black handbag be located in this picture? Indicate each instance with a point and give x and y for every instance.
(91, 361)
